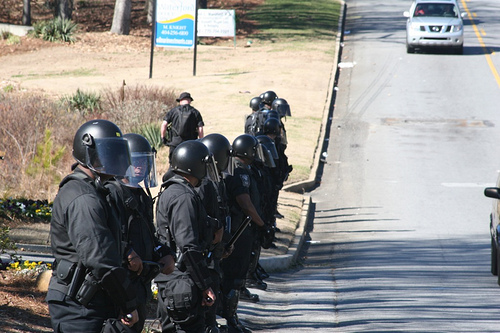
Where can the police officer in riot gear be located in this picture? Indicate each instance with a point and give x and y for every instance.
(264, 173)
(272, 129)
(244, 201)
(256, 103)
(268, 97)
(89, 284)
(214, 196)
(132, 197)
(282, 107)
(182, 222)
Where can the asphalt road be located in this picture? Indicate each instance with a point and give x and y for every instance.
(400, 237)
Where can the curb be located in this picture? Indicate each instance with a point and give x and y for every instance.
(18, 30)
(285, 261)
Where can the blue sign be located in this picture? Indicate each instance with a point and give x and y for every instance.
(175, 23)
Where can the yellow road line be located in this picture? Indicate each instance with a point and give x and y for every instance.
(481, 42)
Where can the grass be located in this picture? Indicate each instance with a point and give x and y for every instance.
(80, 72)
(296, 19)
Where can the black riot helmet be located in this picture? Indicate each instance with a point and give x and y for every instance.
(272, 126)
(255, 103)
(219, 146)
(282, 107)
(268, 97)
(99, 146)
(272, 114)
(245, 145)
(143, 158)
(193, 158)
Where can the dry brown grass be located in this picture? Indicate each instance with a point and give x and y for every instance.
(26, 117)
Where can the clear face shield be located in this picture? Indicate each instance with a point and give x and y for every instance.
(143, 171)
(212, 172)
(259, 153)
(269, 161)
(108, 156)
(284, 110)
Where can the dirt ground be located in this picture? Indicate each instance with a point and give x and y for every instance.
(227, 77)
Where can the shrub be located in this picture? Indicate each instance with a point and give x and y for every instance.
(13, 39)
(46, 157)
(152, 133)
(8, 88)
(5, 242)
(55, 30)
(136, 106)
(35, 129)
(84, 102)
(25, 119)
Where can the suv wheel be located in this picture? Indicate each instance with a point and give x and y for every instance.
(409, 48)
(494, 258)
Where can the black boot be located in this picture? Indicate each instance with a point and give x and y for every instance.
(247, 296)
(255, 282)
(234, 325)
(261, 272)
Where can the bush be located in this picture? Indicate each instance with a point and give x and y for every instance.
(25, 120)
(5, 242)
(56, 30)
(35, 129)
(84, 102)
(137, 106)
(152, 133)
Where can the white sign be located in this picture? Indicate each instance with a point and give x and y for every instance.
(216, 23)
(175, 23)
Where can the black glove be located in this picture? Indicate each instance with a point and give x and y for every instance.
(164, 140)
(267, 236)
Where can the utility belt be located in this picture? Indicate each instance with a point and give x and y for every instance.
(75, 281)
(184, 260)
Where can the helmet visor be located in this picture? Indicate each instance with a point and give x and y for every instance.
(212, 172)
(269, 145)
(109, 156)
(259, 154)
(142, 173)
(284, 110)
(269, 160)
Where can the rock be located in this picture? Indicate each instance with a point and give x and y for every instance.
(42, 281)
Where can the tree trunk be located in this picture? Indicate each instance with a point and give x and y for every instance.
(121, 17)
(26, 12)
(149, 8)
(64, 9)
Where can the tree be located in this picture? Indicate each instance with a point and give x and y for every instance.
(121, 17)
(64, 9)
(26, 12)
(149, 8)
(202, 4)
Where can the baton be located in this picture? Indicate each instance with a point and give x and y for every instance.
(238, 232)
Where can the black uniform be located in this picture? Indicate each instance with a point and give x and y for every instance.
(86, 243)
(236, 266)
(185, 121)
(182, 223)
(136, 208)
(214, 199)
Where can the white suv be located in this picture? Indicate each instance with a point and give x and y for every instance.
(434, 23)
